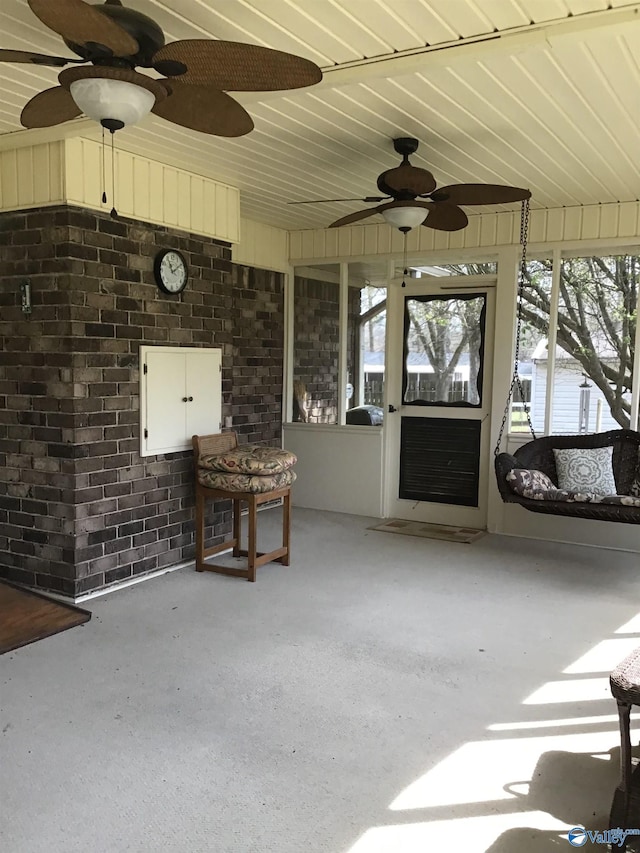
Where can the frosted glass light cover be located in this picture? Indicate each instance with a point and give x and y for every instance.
(102, 98)
(405, 217)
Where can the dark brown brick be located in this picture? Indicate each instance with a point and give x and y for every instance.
(69, 408)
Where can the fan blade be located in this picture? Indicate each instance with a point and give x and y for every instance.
(407, 178)
(445, 217)
(369, 198)
(354, 217)
(203, 108)
(480, 194)
(35, 58)
(53, 106)
(235, 67)
(80, 23)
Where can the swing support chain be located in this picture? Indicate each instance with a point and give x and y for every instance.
(516, 382)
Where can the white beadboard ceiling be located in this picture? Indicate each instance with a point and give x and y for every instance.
(537, 93)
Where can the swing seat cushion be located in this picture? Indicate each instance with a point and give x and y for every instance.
(255, 484)
(538, 487)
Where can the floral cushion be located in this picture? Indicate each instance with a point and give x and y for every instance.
(539, 487)
(523, 480)
(620, 500)
(586, 470)
(250, 459)
(254, 483)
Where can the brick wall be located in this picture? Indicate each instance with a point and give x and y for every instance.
(316, 348)
(79, 507)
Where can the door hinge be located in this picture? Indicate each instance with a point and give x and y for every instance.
(219, 368)
(146, 433)
(144, 369)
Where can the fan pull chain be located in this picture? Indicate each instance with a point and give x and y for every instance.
(104, 176)
(406, 267)
(114, 212)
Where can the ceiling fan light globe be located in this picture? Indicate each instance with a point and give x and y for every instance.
(103, 99)
(405, 218)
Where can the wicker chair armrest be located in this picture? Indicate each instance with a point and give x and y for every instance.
(505, 462)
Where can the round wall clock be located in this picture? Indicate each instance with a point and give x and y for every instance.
(171, 271)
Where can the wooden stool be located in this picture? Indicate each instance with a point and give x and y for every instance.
(625, 688)
(221, 443)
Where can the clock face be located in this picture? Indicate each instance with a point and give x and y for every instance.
(171, 271)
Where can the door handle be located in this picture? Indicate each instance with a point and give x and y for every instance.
(187, 399)
(392, 408)
(191, 399)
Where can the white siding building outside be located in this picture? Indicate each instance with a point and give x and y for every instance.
(568, 377)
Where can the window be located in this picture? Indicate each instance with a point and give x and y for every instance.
(588, 368)
(320, 343)
(316, 349)
(534, 336)
(371, 337)
(443, 350)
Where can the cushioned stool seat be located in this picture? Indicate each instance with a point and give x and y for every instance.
(252, 474)
(252, 459)
(254, 483)
(625, 688)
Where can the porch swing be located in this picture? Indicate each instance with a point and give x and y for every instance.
(530, 475)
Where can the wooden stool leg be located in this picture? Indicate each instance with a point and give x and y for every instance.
(624, 713)
(237, 522)
(253, 539)
(200, 501)
(286, 528)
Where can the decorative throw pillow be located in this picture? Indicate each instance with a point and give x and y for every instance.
(587, 470)
(526, 482)
(530, 483)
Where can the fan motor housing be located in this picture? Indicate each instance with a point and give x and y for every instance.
(398, 195)
(405, 145)
(143, 29)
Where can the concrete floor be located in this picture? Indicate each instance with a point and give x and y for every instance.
(384, 694)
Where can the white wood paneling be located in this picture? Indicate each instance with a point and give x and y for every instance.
(339, 467)
(71, 170)
(151, 191)
(597, 222)
(32, 176)
(536, 93)
(517, 521)
(262, 246)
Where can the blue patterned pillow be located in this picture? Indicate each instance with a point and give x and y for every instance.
(586, 470)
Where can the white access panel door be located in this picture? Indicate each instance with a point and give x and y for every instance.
(180, 396)
(165, 387)
(204, 392)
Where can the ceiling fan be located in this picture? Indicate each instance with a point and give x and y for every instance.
(196, 73)
(405, 186)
